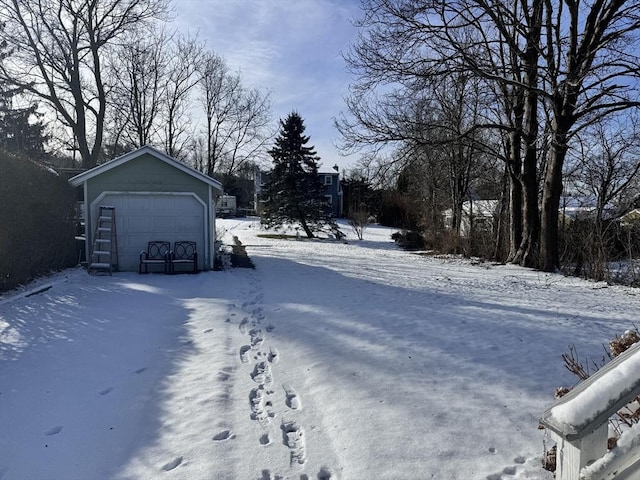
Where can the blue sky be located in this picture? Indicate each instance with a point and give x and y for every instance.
(289, 47)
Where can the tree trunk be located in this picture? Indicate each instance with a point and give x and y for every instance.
(514, 168)
(527, 254)
(305, 227)
(498, 253)
(528, 251)
(549, 255)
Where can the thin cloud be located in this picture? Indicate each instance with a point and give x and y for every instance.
(288, 47)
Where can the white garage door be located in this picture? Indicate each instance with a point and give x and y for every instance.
(141, 218)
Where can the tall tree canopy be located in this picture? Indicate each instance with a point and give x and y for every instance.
(61, 57)
(294, 193)
(546, 70)
(237, 119)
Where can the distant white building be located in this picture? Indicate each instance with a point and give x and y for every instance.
(630, 218)
(482, 213)
(226, 206)
(575, 208)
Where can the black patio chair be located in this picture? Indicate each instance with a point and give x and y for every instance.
(183, 253)
(157, 254)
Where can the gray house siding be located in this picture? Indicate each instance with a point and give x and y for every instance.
(333, 192)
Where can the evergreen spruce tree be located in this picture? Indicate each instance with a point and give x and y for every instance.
(18, 133)
(21, 129)
(294, 193)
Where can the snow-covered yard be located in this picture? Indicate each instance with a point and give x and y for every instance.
(329, 360)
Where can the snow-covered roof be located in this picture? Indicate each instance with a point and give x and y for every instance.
(631, 217)
(127, 157)
(480, 208)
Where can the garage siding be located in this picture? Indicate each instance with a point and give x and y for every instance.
(145, 174)
(145, 217)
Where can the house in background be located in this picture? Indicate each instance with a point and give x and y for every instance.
(481, 214)
(226, 206)
(156, 197)
(631, 218)
(332, 190)
(583, 208)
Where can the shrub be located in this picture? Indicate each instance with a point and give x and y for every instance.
(450, 242)
(409, 239)
(590, 248)
(36, 221)
(398, 211)
(359, 220)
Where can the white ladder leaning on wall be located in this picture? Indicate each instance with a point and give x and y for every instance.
(104, 255)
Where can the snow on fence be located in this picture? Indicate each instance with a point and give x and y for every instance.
(578, 423)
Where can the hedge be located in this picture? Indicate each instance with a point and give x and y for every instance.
(36, 221)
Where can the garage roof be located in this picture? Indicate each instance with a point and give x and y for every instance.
(116, 162)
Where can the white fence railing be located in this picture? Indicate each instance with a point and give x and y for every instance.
(578, 424)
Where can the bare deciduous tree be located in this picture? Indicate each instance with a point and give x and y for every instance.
(138, 69)
(62, 54)
(609, 162)
(217, 87)
(449, 40)
(604, 171)
(592, 71)
(184, 58)
(359, 221)
(237, 118)
(574, 58)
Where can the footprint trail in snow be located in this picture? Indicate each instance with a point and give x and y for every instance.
(260, 357)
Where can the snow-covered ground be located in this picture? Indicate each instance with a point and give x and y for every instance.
(329, 360)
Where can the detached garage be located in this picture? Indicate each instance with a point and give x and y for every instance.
(155, 198)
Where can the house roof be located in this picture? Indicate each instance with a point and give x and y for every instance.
(127, 157)
(480, 208)
(630, 217)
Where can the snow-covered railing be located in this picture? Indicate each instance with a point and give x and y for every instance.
(578, 423)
